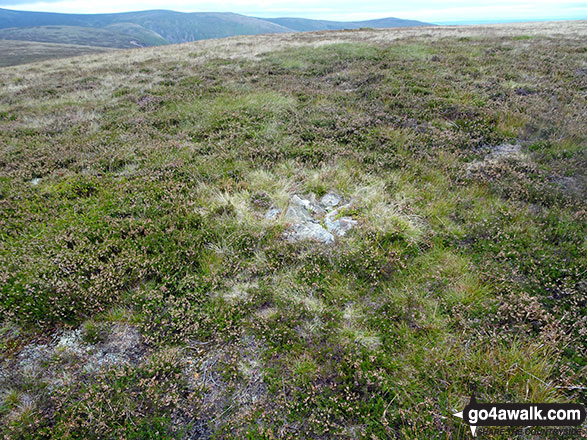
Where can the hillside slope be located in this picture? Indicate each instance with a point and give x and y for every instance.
(175, 27)
(303, 24)
(330, 235)
(178, 27)
(13, 52)
(118, 36)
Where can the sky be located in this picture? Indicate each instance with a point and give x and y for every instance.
(440, 12)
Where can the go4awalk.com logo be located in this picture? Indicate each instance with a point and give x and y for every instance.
(521, 414)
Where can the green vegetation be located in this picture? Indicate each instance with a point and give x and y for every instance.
(133, 196)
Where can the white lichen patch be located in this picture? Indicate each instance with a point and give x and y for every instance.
(65, 360)
(68, 356)
(498, 154)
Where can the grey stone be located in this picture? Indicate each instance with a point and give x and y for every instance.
(309, 205)
(340, 226)
(330, 200)
(303, 214)
(298, 201)
(297, 214)
(310, 231)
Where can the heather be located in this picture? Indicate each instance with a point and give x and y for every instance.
(144, 294)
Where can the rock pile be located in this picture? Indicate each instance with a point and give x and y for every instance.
(311, 219)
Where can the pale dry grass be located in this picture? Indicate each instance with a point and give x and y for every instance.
(251, 47)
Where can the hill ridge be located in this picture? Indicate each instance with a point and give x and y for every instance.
(173, 26)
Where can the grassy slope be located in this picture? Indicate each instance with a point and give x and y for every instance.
(119, 36)
(21, 52)
(156, 167)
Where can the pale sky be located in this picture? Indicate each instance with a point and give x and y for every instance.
(448, 11)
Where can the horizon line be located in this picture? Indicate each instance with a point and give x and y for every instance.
(457, 22)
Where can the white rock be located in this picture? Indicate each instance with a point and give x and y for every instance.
(330, 200)
(308, 205)
(340, 226)
(298, 201)
(310, 231)
(297, 214)
(303, 214)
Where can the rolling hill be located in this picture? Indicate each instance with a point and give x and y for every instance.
(123, 36)
(162, 27)
(304, 24)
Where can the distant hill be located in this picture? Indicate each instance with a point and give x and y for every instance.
(157, 27)
(305, 24)
(172, 27)
(21, 52)
(117, 36)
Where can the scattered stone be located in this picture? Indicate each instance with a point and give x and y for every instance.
(309, 205)
(305, 216)
(123, 345)
(340, 226)
(297, 201)
(310, 231)
(506, 150)
(330, 200)
(497, 155)
(297, 214)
